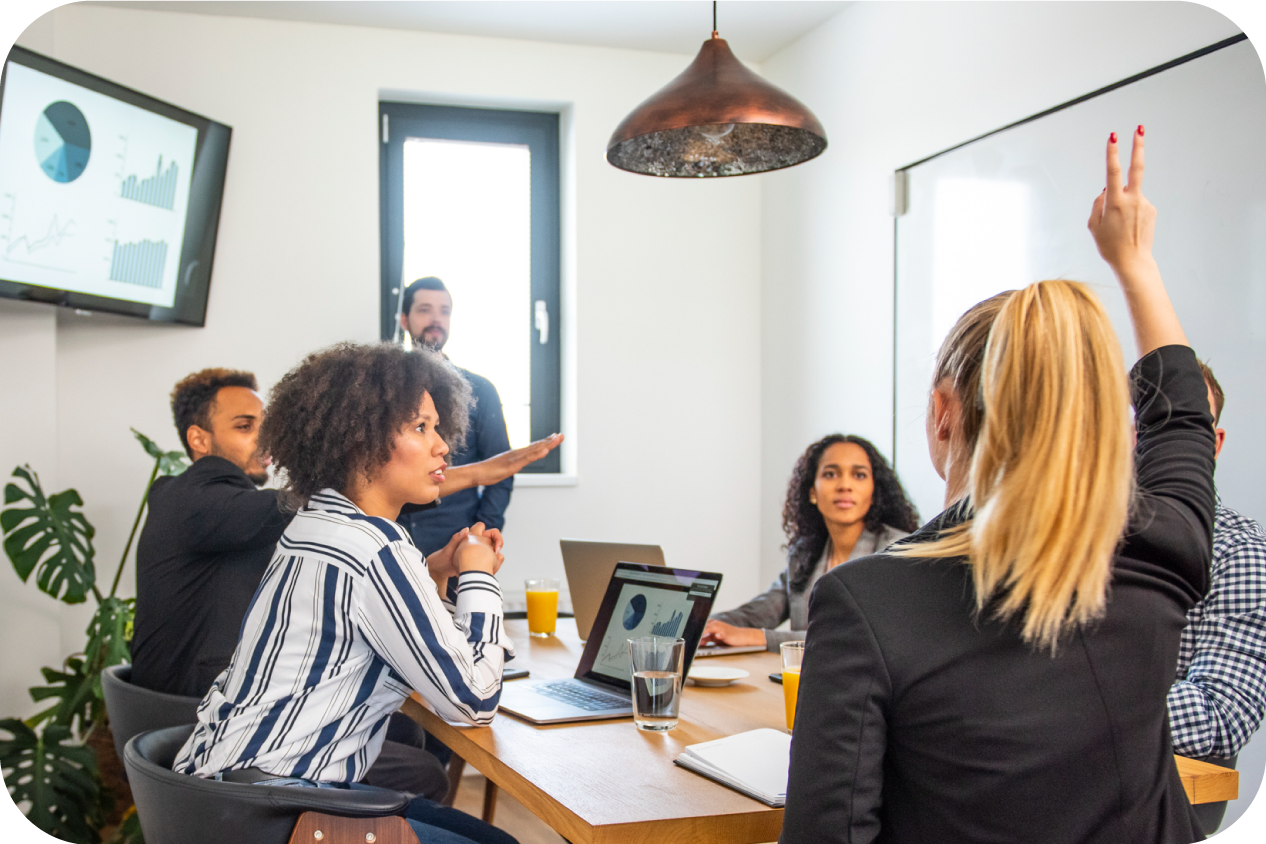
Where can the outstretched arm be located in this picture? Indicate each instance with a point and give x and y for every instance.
(498, 468)
(1123, 223)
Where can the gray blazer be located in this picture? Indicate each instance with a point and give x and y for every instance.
(779, 602)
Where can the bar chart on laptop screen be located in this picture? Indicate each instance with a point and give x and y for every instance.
(641, 610)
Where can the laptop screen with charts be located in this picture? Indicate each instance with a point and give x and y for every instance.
(589, 565)
(640, 600)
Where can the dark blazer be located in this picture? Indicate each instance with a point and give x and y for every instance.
(209, 536)
(919, 721)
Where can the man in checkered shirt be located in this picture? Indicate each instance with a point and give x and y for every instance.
(1219, 697)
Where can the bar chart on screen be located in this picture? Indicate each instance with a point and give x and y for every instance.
(159, 190)
(139, 263)
(670, 626)
(103, 211)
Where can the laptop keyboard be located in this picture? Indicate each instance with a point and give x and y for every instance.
(580, 696)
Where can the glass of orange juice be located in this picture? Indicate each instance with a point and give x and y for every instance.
(542, 606)
(792, 657)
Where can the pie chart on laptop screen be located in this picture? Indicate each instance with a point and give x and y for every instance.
(634, 612)
(63, 142)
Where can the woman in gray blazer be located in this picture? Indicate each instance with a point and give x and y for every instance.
(844, 502)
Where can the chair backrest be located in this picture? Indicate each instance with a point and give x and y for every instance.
(180, 809)
(315, 827)
(134, 710)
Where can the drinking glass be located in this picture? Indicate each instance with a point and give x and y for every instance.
(657, 663)
(542, 606)
(792, 657)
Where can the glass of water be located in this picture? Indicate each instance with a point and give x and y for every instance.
(657, 662)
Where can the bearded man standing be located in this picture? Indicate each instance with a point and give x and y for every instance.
(426, 311)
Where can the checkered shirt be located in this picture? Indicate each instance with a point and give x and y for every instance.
(1219, 697)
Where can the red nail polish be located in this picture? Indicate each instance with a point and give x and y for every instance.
(1140, 130)
(1112, 139)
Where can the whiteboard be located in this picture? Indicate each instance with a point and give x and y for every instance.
(1011, 208)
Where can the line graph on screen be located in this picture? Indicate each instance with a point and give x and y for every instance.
(19, 249)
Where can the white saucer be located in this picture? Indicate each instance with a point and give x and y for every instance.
(715, 676)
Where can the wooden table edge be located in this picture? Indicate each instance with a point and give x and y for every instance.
(733, 827)
(559, 818)
(1207, 783)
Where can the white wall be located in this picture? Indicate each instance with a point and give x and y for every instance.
(663, 282)
(893, 83)
(30, 622)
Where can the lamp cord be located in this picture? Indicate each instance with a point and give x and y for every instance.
(714, 16)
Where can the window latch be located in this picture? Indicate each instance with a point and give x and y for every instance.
(542, 320)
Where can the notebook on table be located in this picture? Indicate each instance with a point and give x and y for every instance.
(754, 763)
(641, 600)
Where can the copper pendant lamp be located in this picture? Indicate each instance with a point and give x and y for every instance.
(716, 119)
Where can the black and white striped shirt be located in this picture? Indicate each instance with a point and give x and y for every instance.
(345, 624)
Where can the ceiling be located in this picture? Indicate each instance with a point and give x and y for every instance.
(755, 29)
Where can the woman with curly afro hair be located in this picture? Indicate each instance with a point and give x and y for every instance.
(844, 502)
(350, 618)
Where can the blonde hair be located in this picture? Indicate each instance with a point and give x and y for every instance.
(1052, 471)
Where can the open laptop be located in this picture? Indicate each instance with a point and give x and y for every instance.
(640, 600)
(589, 565)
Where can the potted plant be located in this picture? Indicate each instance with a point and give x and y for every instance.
(59, 765)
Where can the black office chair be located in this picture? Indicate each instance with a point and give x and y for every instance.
(180, 809)
(133, 710)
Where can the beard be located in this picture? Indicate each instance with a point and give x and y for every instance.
(435, 342)
(257, 478)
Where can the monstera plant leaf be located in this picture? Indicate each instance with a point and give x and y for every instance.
(109, 632)
(73, 691)
(169, 462)
(49, 536)
(108, 635)
(54, 777)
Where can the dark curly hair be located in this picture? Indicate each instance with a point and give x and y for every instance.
(193, 398)
(336, 415)
(803, 524)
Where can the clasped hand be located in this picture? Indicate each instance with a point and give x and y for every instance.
(471, 549)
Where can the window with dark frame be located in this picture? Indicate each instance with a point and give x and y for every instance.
(471, 195)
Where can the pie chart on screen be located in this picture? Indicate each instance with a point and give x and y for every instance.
(634, 612)
(62, 142)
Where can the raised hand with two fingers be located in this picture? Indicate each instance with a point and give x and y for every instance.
(1123, 224)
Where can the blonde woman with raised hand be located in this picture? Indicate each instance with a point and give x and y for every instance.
(1002, 677)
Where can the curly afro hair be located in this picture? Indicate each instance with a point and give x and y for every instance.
(336, 416)
(803, 524)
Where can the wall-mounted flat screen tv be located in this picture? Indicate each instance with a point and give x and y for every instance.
(109, 199)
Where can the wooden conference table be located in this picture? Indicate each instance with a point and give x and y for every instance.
(606, 782)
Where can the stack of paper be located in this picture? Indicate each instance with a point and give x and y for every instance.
(754, 763)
